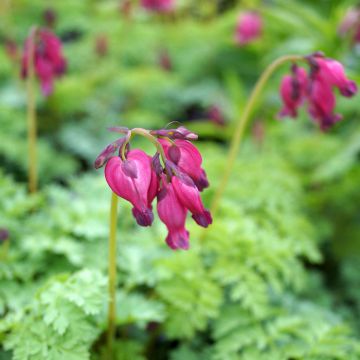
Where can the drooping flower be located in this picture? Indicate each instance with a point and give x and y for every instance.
(158, 5)
(136, 177)
(131, 179)
(173, 214)
(11, 49)
(49, 62)
(249, 27)
(316, 88)
(188, 158)
(189, 197)
(293, 91)
(50, 17)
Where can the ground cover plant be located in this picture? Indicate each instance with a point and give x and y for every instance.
(242, 113)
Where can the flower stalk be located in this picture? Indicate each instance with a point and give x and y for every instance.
(241, 126)
(31, 116)
(112, 276)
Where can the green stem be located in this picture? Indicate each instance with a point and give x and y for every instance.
(146, 134)
(112, 277)
(31, 116)
(243, 121)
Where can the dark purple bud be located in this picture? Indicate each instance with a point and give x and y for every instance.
(203, 219)
(143, 218)
(174, 154)
(4, 235)
(50, 16)
(129, 168)
(108, 152)
(180, 133)
(185, 134)
(202, 182)
(156, 164)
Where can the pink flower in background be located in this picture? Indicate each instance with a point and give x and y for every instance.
(317, 89)
(101, 45)
(136, 177)
(350, 25)
(158, 5)
(11, 49)
(49, 62)
(292, 91)
(215, 115)
(249, 27)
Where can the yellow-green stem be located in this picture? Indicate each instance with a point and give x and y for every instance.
(31, 116)
(241, 125)
(146, 134)
(112, 277)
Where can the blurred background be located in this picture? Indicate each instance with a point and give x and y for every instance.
(277, 275)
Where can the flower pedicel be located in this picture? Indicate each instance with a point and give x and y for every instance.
(176, 182)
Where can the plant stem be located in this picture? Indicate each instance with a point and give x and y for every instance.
(145, 133)
(112, 277)
(243, 121)
(31, 116)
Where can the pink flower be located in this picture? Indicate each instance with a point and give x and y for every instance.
(322, 104)
(188, 158)
(158, 5)
(173, 214)
(316, 89)
(136, 177)
(132, 179)
(248, 28)
(188, 195)
(292, 91)
(332, 72)
(49, 62)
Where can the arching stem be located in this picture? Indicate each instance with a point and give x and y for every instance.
(112, 277)
(31, 115)
(241, 126)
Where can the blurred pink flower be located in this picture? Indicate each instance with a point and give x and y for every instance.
(317, 89)
(350, 25)
(292, 91)
(49, 62)
(249, 27)
(158, 5)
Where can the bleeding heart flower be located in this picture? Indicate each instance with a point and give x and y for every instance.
(49, 62)
(158, 5)
(248, 28)
(131, 179)
(189, 162)
(173, 214)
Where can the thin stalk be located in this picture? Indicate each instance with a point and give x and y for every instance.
(31, 116)
(153, 139)
(241, 126)
(112, 277)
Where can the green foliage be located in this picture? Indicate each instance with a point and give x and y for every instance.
(275, 276)
(61, 321)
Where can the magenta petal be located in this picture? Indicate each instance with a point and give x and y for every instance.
(178, 239)
(134, 190)
(189, 197)
(144, 217)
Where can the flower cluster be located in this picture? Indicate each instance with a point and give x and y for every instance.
(49, 61)
(316, 89)
(174, 175)
(158, 5)
(248, 28)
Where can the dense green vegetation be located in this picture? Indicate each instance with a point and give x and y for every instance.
(277, 274)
